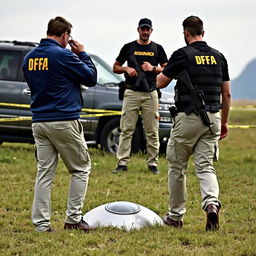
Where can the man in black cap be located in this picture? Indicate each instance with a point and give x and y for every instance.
(142, 56)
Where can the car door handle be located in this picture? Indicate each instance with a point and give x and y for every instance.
(83, 87)
(26, 92)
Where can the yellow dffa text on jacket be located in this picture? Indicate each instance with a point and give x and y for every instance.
(38, 64)
(205, 60)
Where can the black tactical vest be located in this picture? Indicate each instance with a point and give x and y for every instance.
(152, 58)
(205, 72)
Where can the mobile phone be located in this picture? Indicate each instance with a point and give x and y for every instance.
(71, 43)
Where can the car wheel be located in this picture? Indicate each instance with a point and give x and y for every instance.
(109, 138)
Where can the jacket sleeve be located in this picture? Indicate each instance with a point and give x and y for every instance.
(80, 68)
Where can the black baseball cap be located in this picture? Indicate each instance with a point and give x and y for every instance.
(145, 23)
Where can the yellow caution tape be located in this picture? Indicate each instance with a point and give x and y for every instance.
(104, 112)
(15, 105)
(248, 107)
(12, 119)
(112, 112)
(100, 111)
(245, 126)
(251, 107)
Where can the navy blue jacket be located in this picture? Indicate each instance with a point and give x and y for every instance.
(54, 75)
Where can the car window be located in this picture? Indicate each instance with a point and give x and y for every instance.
(104, 75)
(9, 63)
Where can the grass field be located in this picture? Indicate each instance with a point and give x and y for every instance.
(237, 179)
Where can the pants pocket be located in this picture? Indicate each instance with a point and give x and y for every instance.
(170, 151)
(216, 152)
(80, 127)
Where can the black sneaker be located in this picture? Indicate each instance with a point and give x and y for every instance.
(120, 168)
(153, 169)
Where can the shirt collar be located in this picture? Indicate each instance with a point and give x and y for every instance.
(48, 41)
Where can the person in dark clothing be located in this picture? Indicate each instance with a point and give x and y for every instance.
(208, 71)
(54, 75)
(144, 59)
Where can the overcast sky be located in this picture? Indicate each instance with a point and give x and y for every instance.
(104, 26)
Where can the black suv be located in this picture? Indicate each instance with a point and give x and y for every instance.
(100, 128)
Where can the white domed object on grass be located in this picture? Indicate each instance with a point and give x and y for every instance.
(122, 214)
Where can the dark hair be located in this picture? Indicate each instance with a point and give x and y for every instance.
(58, 26)
(194, 25)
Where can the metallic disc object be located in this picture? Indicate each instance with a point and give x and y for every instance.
(123, 215)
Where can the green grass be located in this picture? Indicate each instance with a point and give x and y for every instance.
(237, 179)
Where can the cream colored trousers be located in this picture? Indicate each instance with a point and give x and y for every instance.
(190, 136)
(64, 138)
(147, 103)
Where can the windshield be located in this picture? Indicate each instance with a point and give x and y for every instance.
(104, 71)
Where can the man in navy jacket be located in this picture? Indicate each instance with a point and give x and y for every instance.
(54, 75)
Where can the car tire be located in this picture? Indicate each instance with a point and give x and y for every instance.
(110, 133)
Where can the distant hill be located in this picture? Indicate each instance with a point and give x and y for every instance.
(244, 86)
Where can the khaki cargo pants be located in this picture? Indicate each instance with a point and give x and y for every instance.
(190, 136)
(64, 138)
(133, 103)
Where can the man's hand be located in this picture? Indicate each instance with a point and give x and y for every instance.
(131, 71)
(146, 66)
(119, 69)
(76, 47)
(224, 131)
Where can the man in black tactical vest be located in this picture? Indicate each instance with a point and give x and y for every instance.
(143, 58)
(206, 88)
